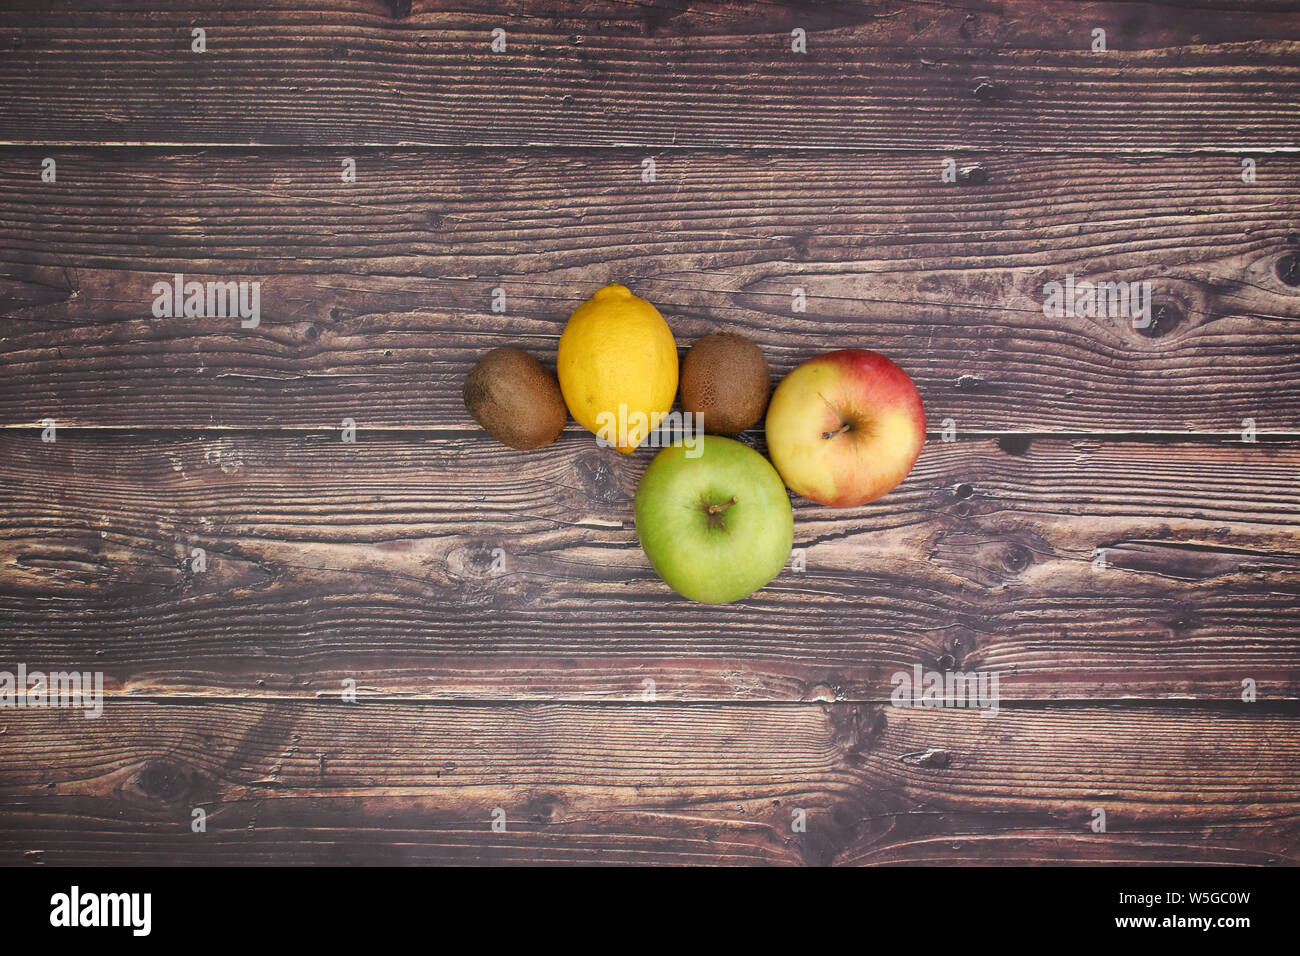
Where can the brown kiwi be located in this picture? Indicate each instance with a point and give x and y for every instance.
(515, 398)
(725, 377)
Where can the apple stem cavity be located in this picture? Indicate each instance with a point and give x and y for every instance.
(844, 427)
(715, 515)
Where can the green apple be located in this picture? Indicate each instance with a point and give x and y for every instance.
(717, 525)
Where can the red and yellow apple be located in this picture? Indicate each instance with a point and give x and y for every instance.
(846, 427)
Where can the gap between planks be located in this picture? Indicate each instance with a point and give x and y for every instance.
(641, 148)
(1279, 705)
(1280, 437)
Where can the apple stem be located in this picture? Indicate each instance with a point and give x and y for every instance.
(718, 509)
(839, 431)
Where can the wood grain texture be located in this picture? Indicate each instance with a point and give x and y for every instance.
(904, 74)
(376, 296)
(668, 784)
(1096, 534)
(378, 562)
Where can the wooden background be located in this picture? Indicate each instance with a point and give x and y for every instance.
(521, 688)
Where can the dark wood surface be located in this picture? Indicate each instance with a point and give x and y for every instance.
(377, 295)
(913, 74)
(523, 688)
(327, 560)
(390, 782)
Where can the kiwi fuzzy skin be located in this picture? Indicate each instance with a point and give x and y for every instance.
(726, 378)
(515, 398)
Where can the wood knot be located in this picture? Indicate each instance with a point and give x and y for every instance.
(653, 18)
(1016, 558)
(1288, 269)
(1165, 317)
(963, 491)
(484, 558)
(799, 244)
(1016, 445)
(984, 90)
(163, 780)
(927, 758)
(541, 806)
(856, 727)
(599, 479)
(822, 692)
(972, 176)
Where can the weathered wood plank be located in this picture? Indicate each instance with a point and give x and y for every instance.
(449, 567)
(376, 296)
(377, 782)
(911, 74)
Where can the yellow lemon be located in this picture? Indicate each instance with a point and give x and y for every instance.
(617, 366)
